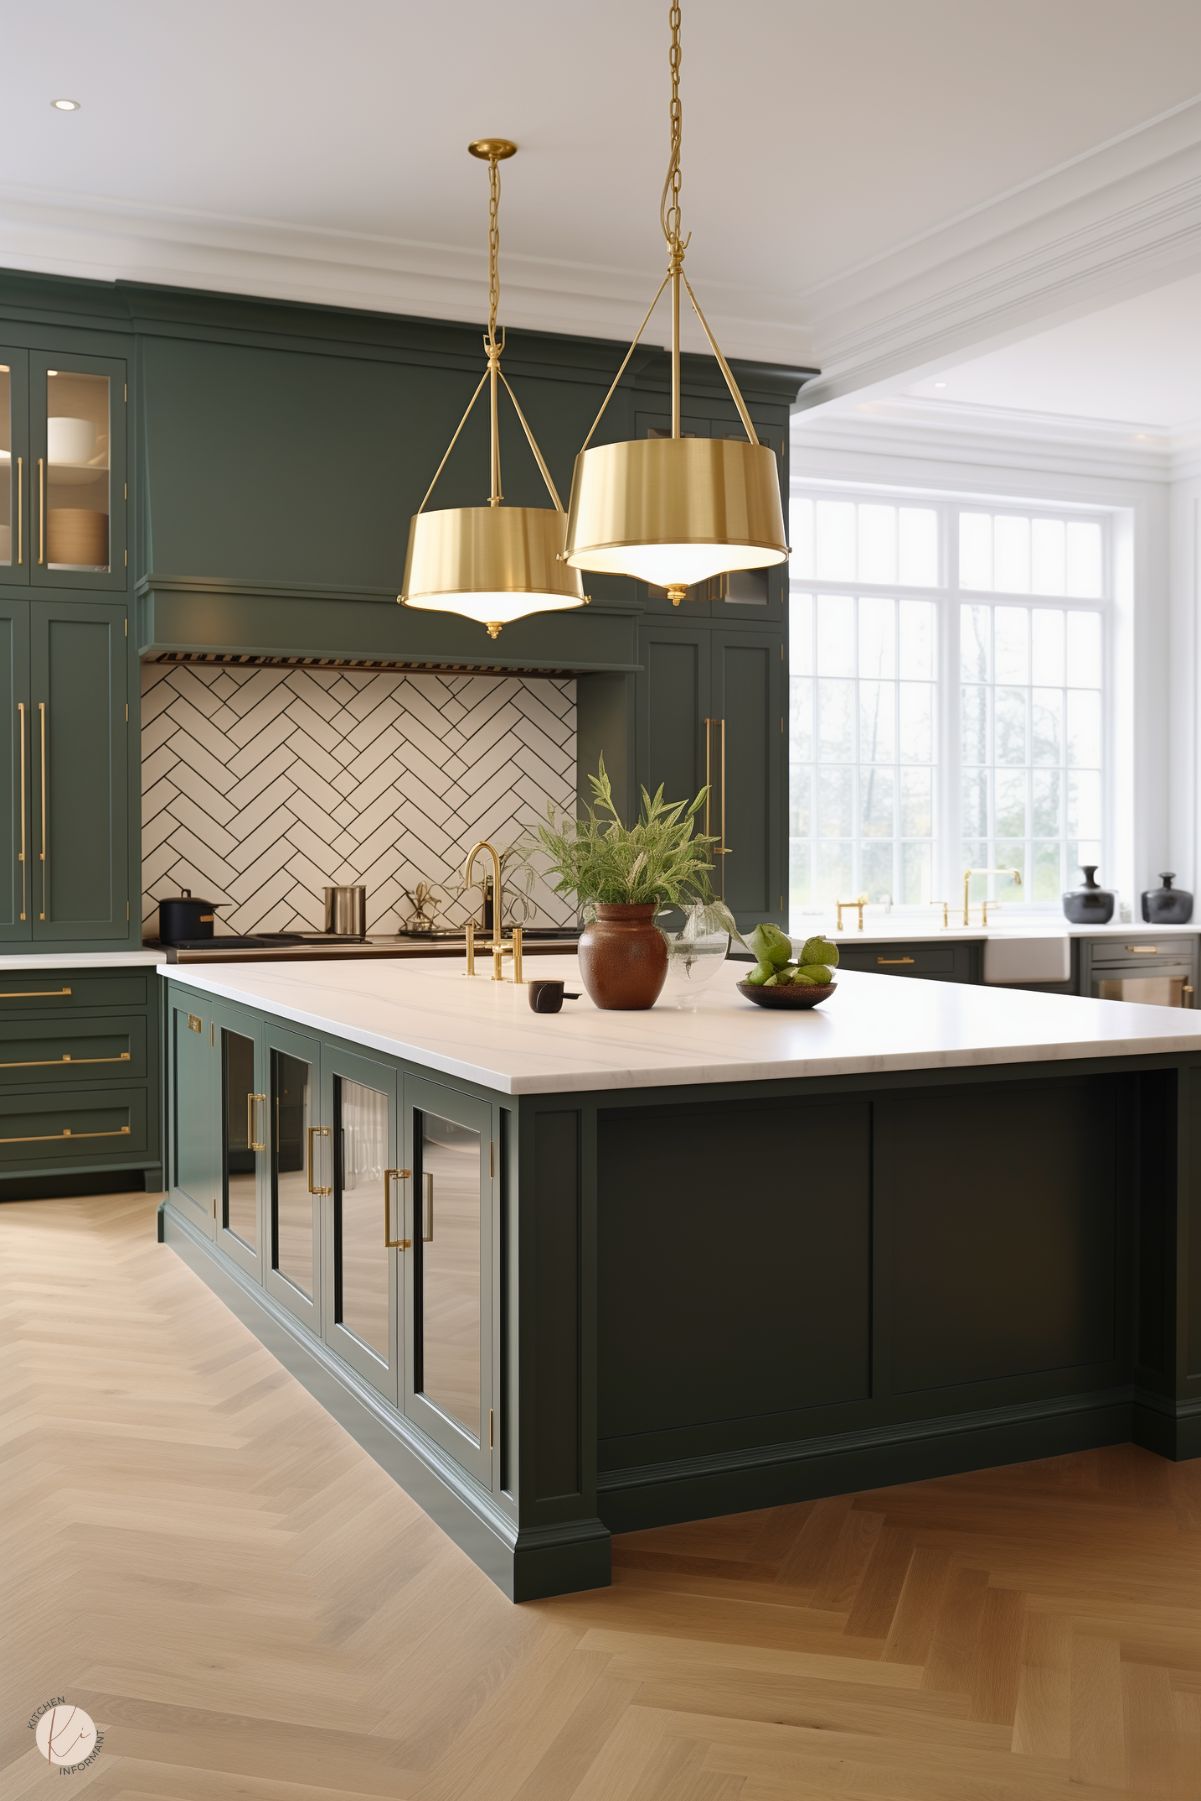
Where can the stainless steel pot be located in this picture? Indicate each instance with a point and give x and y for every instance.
(346, 911)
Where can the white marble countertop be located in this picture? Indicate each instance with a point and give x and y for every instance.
(34, 960)
(891, 931)
(430, 1013)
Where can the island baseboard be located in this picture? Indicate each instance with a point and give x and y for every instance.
(664, 1494)
(526, 1563)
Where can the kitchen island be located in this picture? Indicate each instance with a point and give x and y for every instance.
(565, 1275)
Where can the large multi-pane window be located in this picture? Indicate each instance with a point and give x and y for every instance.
(947, 698)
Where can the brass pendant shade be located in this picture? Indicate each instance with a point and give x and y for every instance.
(675, 511)
(491, 563)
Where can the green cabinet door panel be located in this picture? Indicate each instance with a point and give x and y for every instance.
(14, 466)
(447, 1217)
(79, 800)
(241, 1096)
(748, 687)
(356, 1168)
(672, 698)
(16, 775)
(292, 1265)
(194, 1157)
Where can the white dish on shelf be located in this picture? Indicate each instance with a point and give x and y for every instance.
(70, 440)
(74, 475)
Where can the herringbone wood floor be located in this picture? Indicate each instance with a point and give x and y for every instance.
(194, 1552)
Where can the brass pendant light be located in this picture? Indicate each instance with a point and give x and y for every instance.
(674, 511)
(494, 563)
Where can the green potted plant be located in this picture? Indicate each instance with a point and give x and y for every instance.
(622, 875)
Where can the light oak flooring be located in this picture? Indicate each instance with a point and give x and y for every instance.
(195, 1553)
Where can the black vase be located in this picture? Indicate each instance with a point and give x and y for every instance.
(1167, 906)
(1090, 904)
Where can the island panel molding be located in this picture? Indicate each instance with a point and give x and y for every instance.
(260, 786)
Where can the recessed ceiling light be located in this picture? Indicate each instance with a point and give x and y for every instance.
(65, 106)
(940, 384)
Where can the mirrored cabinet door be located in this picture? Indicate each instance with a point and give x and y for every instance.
(14, 467)
(357, 1162)
(448, 1289)
(78, 492)
(243, 1112)
(292, 1271)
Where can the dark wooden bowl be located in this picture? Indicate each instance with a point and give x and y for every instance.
(795, 994)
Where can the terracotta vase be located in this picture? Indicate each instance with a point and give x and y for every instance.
(623, 957)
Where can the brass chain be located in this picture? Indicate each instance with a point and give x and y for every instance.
(669, 206)
(491, 344)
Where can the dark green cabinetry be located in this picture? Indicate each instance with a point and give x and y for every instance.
(360, 1196)
(710, 710)
(65, 795)
(952, 962)
(78, 1075)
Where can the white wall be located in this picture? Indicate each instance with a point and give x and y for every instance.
(1154, 792)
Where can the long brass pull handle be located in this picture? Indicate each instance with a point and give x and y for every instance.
(252, 1143)
(1142, 950)
(316, 1132)
(58, 1062)
(41, 512)
(22, 857)
(893, 962)
(708, 777)
(55, 1137)
(390, 1243)
(42, 853)
(427, 1209)
(20, 511)
(33, 994)
(722, 851)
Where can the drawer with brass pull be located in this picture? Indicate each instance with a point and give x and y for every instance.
(43, 1051)
(94, 1125)
(1174, 948)
(50, 992)
(940, 962)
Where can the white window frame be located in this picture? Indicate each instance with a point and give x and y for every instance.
(948, 596)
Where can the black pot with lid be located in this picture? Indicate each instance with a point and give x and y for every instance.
(182, 917)
(1166, 905)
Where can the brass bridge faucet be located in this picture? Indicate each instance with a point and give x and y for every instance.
(859, 902)
(1015, 876)
(498, 947)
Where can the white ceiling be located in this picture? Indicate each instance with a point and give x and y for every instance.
(1137, 364)
(302, 148)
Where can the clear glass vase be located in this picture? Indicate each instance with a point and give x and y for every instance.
(697, 945)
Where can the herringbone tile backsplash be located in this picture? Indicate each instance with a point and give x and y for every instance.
(259, 786)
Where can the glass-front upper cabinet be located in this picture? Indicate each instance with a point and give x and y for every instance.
(448, 1318)
(63, 482)
(77, 425)
(292, 1267)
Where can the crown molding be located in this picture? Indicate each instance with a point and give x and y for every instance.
(104, 240)
(1118, 220)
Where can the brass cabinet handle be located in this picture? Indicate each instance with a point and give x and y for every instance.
(390, 1176)
(195, 1023)
(1142, 950)
(66, 1058)
(20, 511)
(708, 776)
(891, 962)
(41, 512)
(427, 1208)
(22, 858)
(33, 994)
(722, 850)
(316, 1132)
(55, 1137)
(252, 1143)
(42, 853)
